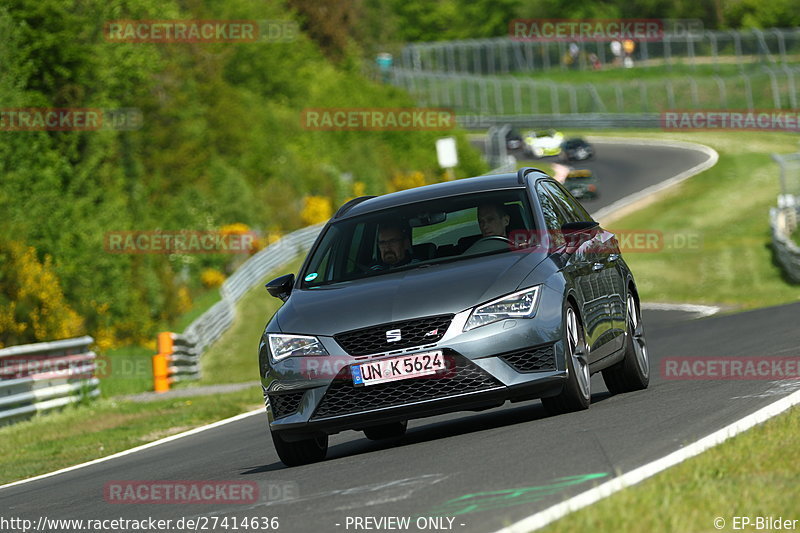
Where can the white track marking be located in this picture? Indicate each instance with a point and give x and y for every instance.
(138, 448)
(551, 514)
(699, 310)
(713, 157)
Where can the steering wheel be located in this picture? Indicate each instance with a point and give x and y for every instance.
(490, 242)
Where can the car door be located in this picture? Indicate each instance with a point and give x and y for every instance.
(611, 282)
(577, 265)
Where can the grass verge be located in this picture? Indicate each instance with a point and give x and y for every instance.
(84, 432)
(727, 209)
(748, 475)
(234, 357)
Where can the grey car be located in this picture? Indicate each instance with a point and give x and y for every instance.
(467, 319)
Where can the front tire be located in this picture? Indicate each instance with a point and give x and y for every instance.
(301, 452)
(577, 392)
(633, 372)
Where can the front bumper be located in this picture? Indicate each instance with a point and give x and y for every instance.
(512, 360)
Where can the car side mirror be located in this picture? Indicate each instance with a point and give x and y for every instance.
(577, 233)
(281, 287)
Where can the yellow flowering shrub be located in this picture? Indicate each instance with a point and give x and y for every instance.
(32, 304)
(211, 277)
(316, 209)
(184, 299)
(401, 181)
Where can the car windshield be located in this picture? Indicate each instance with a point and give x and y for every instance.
(418, 235)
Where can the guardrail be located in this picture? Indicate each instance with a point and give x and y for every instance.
(581, 121)
(42, 376)
(182, 351)
(783, 222)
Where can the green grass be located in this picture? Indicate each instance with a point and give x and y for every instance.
(727, 206)
(753, 474)
(85, 432)
(126, 370)
(234, 357)
(90, 430)
(201, 303)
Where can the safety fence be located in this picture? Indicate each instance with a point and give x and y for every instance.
(46, 375)
(180, 353)
(504, 55)
(766, 88)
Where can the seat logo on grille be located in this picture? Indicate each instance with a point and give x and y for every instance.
(393, 335)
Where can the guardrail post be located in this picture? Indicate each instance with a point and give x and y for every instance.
(161, 362)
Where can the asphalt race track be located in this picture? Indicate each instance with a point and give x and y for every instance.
(484, 470)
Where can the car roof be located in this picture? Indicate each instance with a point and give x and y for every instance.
(491, 182)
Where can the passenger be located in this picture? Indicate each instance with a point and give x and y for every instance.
(493, 220)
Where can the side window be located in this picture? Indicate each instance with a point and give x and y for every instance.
(573, 209)
(553, 217)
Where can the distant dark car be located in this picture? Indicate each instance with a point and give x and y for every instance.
(513, 140)
(470, 319)
(582, 184)
(576, 149)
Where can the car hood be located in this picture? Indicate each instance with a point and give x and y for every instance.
(434, 290)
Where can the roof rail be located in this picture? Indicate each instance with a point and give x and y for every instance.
(349, 204)
(524, 171)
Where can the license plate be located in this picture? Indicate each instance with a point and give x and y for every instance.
(397, 368)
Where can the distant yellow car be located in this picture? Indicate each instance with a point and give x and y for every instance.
(582, 184)
(543, 143)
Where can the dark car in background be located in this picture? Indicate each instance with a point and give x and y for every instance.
(576, 149)
(582, 184)
(472, 317)
(513, 140)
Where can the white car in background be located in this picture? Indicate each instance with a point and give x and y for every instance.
(543, 143)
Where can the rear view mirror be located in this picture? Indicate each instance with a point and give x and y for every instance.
(427, 219)
(281, 287)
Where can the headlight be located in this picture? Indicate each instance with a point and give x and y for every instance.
(283, 346)
(521, 304)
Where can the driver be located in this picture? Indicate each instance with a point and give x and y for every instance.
(493, 220)
(394, 244)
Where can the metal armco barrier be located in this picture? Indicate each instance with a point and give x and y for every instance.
(177, 359)
(583, 121)
(179, 354)
(783, 221)
(46, 375)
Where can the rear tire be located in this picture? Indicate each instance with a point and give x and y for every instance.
(301, 452)
(633, 372)
(395, 430)
(577, 393)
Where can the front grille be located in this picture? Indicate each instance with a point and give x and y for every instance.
(372, 340)
(534, 359)
(285, 403)
(461, 376)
